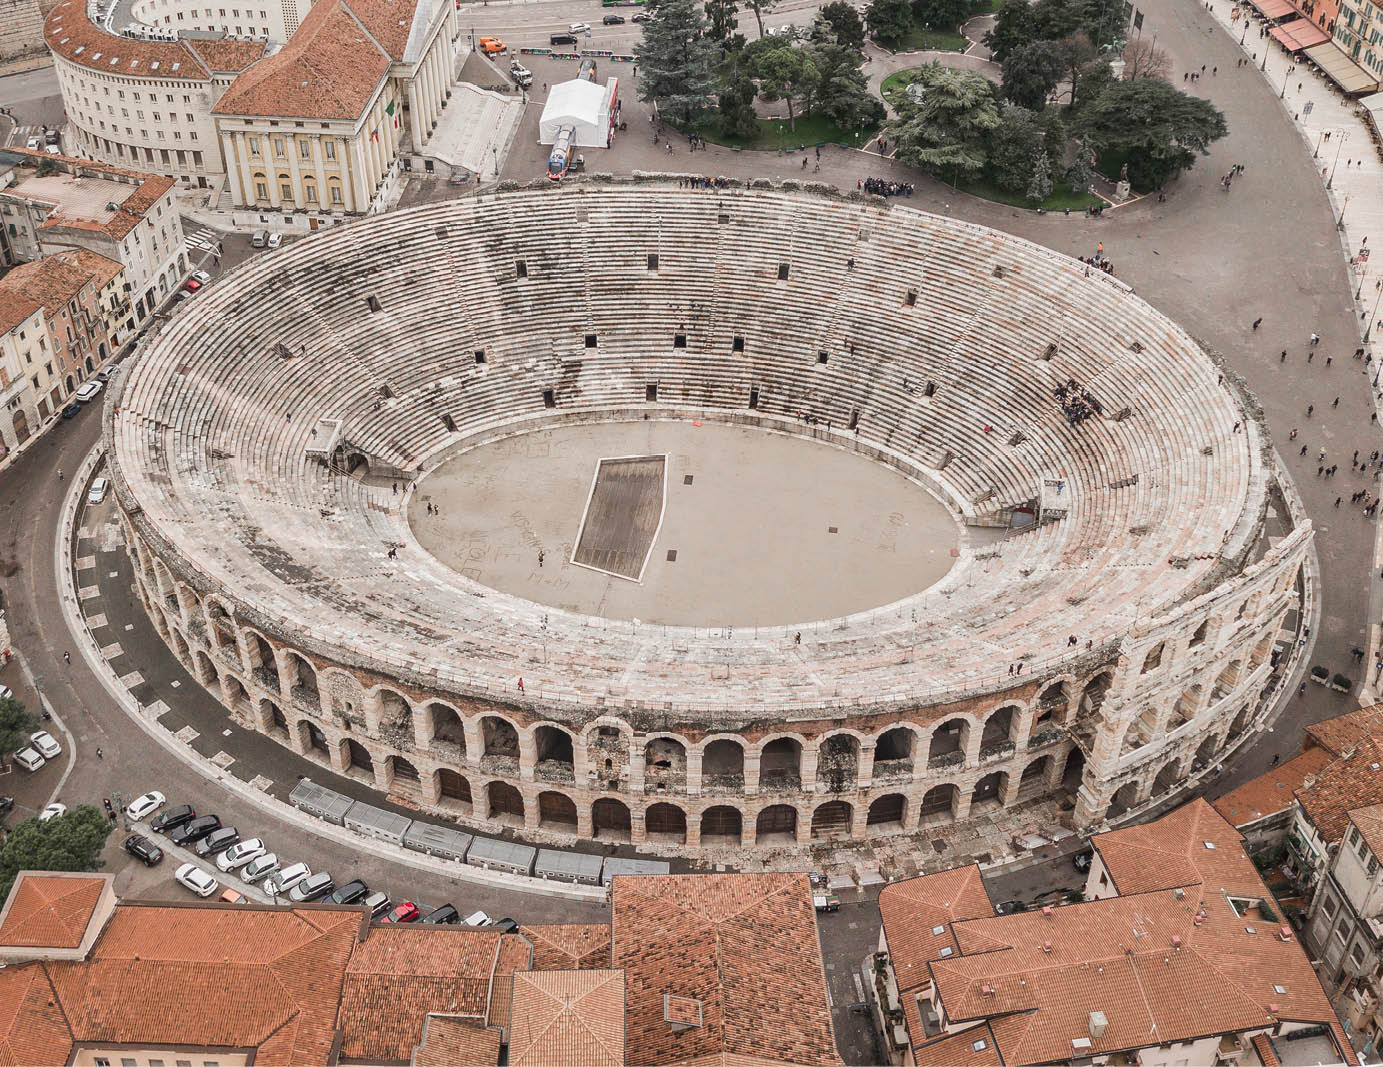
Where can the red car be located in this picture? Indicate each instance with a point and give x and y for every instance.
(192, 285)
(407, 912)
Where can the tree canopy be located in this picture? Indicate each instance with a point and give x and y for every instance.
(1031, 72)
(1159, 129)
(16, 725)
(947, 132)
(722, 19)
(890, 20)
(678, 59)
(70, 842)
(787, 73)
(844, 22)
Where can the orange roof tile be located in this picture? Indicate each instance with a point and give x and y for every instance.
(56, 279)
(1271, 792)
(1370, 823)
(1352, 781)
(453, 1041)
(148, 191)
(569, 946)
(1267, 1055)
(575, 1018)
(959, 1049)
(70, 33)
(1343, 732)
(32, 1026)
(16, 307)
(227, 55)
(744, 945)
(917, 914)
(50, 911)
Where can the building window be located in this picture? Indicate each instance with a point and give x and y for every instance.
(286, 190)
(278, 147)
(261, 191)
(310, 192)
(330, 149)
(305, 149)
(335, 193)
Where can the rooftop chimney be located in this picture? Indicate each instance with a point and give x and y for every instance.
(1285, 933)
(1176, 941)
(1047, 911)
(1046, 946)
(1098, 1024)
(986, 990)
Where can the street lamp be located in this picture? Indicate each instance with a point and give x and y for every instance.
(1344, 136)
(1285, 75)
(1340, 222)
(1319, 138)
(1369, 328)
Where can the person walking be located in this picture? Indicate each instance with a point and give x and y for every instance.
(1258, 322)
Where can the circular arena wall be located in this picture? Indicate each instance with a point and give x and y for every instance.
(1106, 629)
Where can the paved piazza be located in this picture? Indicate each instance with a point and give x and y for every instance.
(771, 529)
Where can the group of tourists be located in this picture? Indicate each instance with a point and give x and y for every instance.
(881, 187)
(1077, 402)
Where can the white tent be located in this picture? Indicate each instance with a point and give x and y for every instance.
(576, 103)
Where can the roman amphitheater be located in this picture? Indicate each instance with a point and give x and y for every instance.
(748, 517)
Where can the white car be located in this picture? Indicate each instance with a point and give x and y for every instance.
(478, 918)
(580, 27)
(88, 391)
(52, 811)
(275, 239)
(33, 144)
(43, 741)
(287, 878)
(98, 491)
(6, 693)
(240, 854)
(192, 877)
(28, 759)
(202, 276)
(263, 865)
(143, 807)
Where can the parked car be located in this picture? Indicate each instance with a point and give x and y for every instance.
(72, 410)
(99, 488)
(353, 892)
(287, 878)
(192, 285)
(6, 805)
(88, 391)
(191, 832)
(260, 239)
(613, 20)
(239, 854)
(522, 75)
(580, 27)
(406, 912)
(144, 850)
(143, 807)
(1081, 860)
(313, 887)
(192, 877)
(477, 918)
(29, 759)
(562, 38)
(275, 239)
(52, 811)
(378, 903)
(263, 865)
(491, 45)
(218, 840)
(33, 144)
(171, 819)
(446, 915)
(43, 741)
(506, 926)
(202, 277)
(642, 16)
(234, 896)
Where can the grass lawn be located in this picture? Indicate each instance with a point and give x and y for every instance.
(898, 81)
(1061, 198)
(775, 134)
(920, 39)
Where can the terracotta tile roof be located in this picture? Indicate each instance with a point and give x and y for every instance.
(1343, 732)
(390, 22)
(48, 911)
(744, 945)
(1267, 1055)
(452, 1041)
(1352, 781)
(914, 910)
(1271, 792)
(329, 69)
(958, 1050)
(71, 34)
(1370, 823)
(399, 974)
(56, 279)
(227, 55)
(569, 946)
(32, 1026)
(1168, 852)
(16, 307)
(573, 1018)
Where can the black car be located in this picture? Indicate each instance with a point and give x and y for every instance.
(171, 819)
(351, 893)
(506, 926)
(144, 850)
(218, 841)
(613, 20)
(72, 410)
(446, 914)
(562, 38)
(195, 830)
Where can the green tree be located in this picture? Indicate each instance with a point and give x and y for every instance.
(1078, 54)
(1011, 147)
(71, 842)
(16, 725)
(947, 132)
(677, 59)
(842, 91)
(1157, 128)
(737, 116)
(1040, 185)
(845, 23)
(1080, 173)
(891, 20)
(1013, 27)
(940, 14)
(760, 9)
(1031, 72)
(786, 73)
(721, 19)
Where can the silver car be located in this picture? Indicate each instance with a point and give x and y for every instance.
(263, 865)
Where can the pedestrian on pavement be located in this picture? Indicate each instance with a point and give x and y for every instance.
(1315, 338)
(67, 657)
(1258, 322)
(99, 753)
(1310, 408)
(1283, 358)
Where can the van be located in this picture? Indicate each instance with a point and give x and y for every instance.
(491, 45)
(260, 239)
(825, 902)
(28, 759)
(563, 38)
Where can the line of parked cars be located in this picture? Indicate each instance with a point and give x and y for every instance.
(40, 749)
(253, 862)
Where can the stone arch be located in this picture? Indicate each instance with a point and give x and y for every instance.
(611, 820)
(1153, 659)
(722, 765)
(1206, 752)
(1093, 693)
(504, 804)
(1241, 722)
(394, 714)
(237, 697)
(221, 626)
(780, 763)
(181, 649)
(271, 717)
(938, 805)
(207, 674)
(665, 823)
(259, 654)
(555, 754)
(556, 812)
(1032, 782)
(1198, 637)
(832, 819)
(838, 762)
(1261, 652)
(404, 778)
(606, 741)
(988, 794)
(949, 743)
(999, 727)
(888, 812)
(1187, 705)
(313, 741)
(665, 763)
(453, 790)
(722, 824)
(500, 745)
(776, 824)
(446, 729)
(1073, 770)
(356, 760)
(343, 696)
(302, 680)
(1124, 798)
(1166, 778)
(894, 753)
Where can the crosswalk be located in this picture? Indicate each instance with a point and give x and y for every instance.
(20, 135)
(203, 239)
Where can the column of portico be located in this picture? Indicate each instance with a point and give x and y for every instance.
(415, 115)
(359, 191)
(234, 169)
(319, 167)
(299, 199)
(694, 756)
(809, 761)
(864, 775)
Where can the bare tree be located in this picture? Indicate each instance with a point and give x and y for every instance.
(1142, 59)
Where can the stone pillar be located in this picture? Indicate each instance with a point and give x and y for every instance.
(337, 757)
(295, 738)
(637, 831)
(584, 824)
(963, 803)
(415, 118)
(810, 754)
(1056, 767)
(1010, 791)
(234, 169)
(371, 707)
(693, 829)
(859, 819)
(694, 756)
(973, 737)
(422, 727)
(580, 762)
(475, 741)
(528, 756)
(299, 198)
(359, 192)
(804, 826)
(864, 775)
(531, 816)
(637, 765)
(384, 772)
(1022, 728)
(429, 786)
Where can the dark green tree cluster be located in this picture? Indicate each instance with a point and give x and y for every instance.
(16, 725)
(70, 842)
(890, 21)
(677, 59)
(1020, 22)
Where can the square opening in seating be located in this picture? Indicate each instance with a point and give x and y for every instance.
(930, 389)
(653, 261)
(449, 422)
(374, 303)
(590, 340)
(549, 398)
(679, 340)
(441, 232)
(650, 392)
(754, 398)
(821, 356)
(782, 272)
(911, 298)
(386, 392)
(737, 344)
(1050, 351)
(521, 268)
(855, 419)
(480, 355)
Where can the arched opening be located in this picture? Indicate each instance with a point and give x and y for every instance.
(610, 820)
(1125, 797)
(236, 695)
(1186, 707)
(665, 824)
(1168, 777)
(314, 741)
(273, 718)
(206, 670)
(404, 779)
(262, 663)
(556, 812)
(607, 755)
(453, 791)
(1199, 636)
(395, 718)
(665, 764)
(304, 679)
(180, 647)
(776, 824)
(1153, 659)
(1241, 721)
(1074, 770)
(887, 812)
(949, 742)
(722, 767)
(722, 825)
(831, 820)
(838, 763)
(357, 761)
(554, 751)
(505, 803)
(500, 752)
(21, 427)
(1092, 696)
(988, 794)
(780, 766)
(998, 731)
(893, 754)
(222, 629)
(1033, 781)
(938, 805)
(448, 732)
